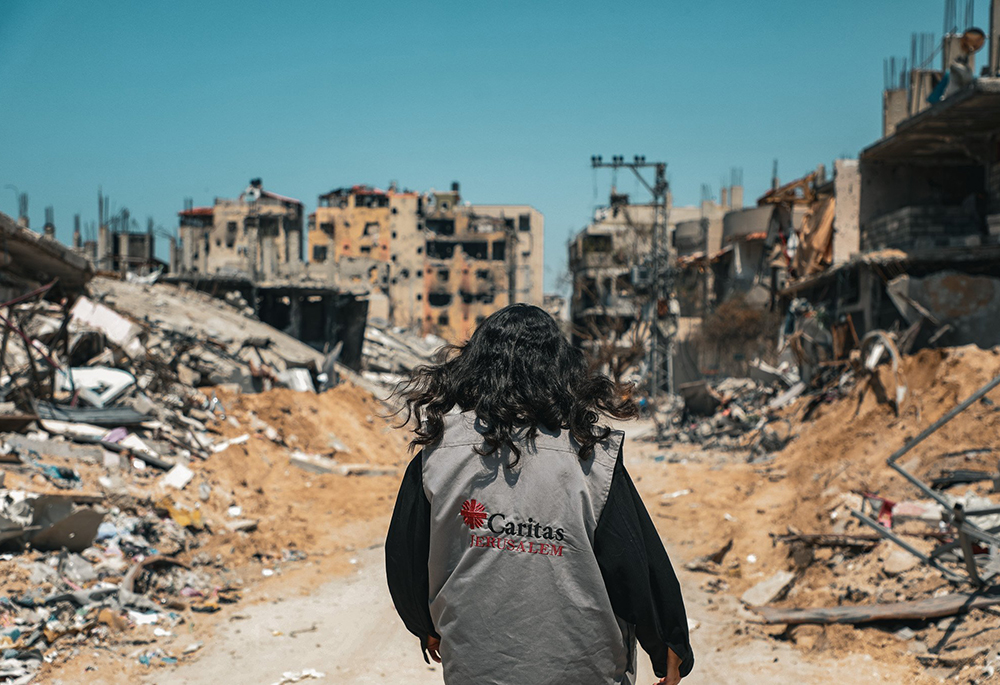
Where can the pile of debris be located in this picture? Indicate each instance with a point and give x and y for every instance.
(391, 353)
(734, 414)
(749, 414)
(114, 408)
(883, 514)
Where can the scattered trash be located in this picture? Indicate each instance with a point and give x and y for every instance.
(297, 676)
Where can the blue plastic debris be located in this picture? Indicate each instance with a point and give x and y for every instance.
(106, 531)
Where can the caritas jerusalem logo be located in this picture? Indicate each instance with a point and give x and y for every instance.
(474, 515)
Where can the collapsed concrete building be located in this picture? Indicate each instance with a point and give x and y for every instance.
(929, 229)
(608, 264)
(427, 262)
(249, 249)
(29, 262)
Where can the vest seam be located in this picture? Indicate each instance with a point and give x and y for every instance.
(607, 488)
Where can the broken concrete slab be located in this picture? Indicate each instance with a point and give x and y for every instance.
(119, 330)
(314, 463)
(178, 477)
(98, 386)
(226, 444)
(49, 522)
(899, 561)
(296, 379)
(54, 448)
(769, 590)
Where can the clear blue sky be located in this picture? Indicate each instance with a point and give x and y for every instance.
(159, 101)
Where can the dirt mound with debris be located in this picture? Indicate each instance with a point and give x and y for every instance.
(836, 461)
(297, 508)
(843, 448)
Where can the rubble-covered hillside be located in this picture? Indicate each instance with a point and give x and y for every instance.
(779, 529)
(161, 453)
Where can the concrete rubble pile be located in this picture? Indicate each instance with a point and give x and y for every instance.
(816, 361)
(735, 414)
(886, 513)
(104, 426)
(391, 353)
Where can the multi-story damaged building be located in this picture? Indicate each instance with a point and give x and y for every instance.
(607, 261)
(365, 240)
(252, 246)
(423, 261)
(926, 260)
(428, 262)
(257, 236)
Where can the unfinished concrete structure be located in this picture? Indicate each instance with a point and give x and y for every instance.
(936, 181)
(250, 250)
(427, 261)
(257, 236)
(608, 261)
(929, 214)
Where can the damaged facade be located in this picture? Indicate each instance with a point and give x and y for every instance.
(608, 262)
(250, 250)
(929, 215)
(427, 262)
(256, 237)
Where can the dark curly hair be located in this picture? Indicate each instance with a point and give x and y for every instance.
(517, 370)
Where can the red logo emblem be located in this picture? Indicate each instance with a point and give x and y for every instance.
(473, 513)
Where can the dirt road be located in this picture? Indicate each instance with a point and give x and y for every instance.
(348, 630)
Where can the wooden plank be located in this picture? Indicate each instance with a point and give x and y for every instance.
(922, 609)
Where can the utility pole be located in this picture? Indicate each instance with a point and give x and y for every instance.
(661, 348)
(993, 68)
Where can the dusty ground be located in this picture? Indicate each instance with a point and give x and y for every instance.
(331, 612)
(347, 629)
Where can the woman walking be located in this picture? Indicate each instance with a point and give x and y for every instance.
(519, 550)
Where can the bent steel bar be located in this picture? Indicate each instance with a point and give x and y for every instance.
(888, 534)
(924, 434)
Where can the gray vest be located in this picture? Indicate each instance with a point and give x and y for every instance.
(515, 589)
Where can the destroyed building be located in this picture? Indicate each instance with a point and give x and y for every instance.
(249, 250)
(29, 261)
(427, 262)
(929, 214)
(608, 262)
(257, 237)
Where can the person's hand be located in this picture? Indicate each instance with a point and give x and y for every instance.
(673, 670)
(434, 648)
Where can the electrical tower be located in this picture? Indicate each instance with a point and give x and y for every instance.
(661, 309)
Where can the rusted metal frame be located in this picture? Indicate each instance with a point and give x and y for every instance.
(10, 311)
(964, 541)
(927, 432)
(27, 346)
(946, 547)
(27, 342)
(889, 535)
(3, 346)
(30, 296)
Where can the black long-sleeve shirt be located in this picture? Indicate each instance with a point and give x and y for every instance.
(640, 581)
